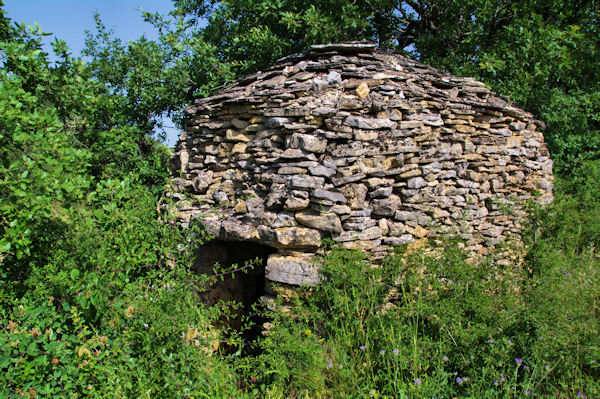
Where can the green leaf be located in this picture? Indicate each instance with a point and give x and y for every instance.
(32, 349)
(74, 274)
(5, 245)
(4, 361)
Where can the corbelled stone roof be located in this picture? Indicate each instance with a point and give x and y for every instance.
(370, 149)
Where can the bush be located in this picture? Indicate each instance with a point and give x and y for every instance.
(435, 322)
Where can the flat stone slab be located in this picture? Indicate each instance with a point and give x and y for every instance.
(294, 269)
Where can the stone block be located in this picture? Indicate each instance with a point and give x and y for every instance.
(326, 221)
(362, 90)
(355, 194)
(306, 182)
(293, 268)
(297, 237)
(329, 195)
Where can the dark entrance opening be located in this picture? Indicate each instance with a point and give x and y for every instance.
(240, 279)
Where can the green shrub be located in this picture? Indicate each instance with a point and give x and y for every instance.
(434, 322)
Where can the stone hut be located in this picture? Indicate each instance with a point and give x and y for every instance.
(368, 148)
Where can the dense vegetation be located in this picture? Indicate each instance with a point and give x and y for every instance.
(96, 296)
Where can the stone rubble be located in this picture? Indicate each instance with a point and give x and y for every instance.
(370, 149)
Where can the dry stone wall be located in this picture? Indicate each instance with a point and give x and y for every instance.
(370, 149)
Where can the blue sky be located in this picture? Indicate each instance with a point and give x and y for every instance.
(69, 19)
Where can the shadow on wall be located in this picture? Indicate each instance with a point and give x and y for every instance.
(243, 287)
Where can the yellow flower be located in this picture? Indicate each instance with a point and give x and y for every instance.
(191, 334)
(307, 332)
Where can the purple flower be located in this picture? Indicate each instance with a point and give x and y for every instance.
(418, 381)
(527, 392)
(445, 358)
(567, 274)
(362, 347)
(329, 364)
(518, 361)
(146, 325)
(502, 378)
(491, 341)
(510, 341)
(382, 352)
(396, 351)
(581, 395)
(524, 367)
(496, 382)
(459, 380)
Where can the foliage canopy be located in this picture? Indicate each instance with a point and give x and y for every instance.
(95, 294)
(541, 54)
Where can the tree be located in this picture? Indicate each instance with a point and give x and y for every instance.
(65, 138)
(540, 54)
(42, 162)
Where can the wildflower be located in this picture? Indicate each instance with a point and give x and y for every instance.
(362, 347)
(502, 378)
(518, 361)
(567, 274)
(382, 352)
(491, 341)
(527, 392)
(547, 367)
(83, 351)
(329, 364)
(146, 325)
(524, 367)
(396, 351)
(417, 381)
(472, 357)
(496, 382)
(459, 380)
(510, 341)
(581, 395)
(445, 358)
(307, 332)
